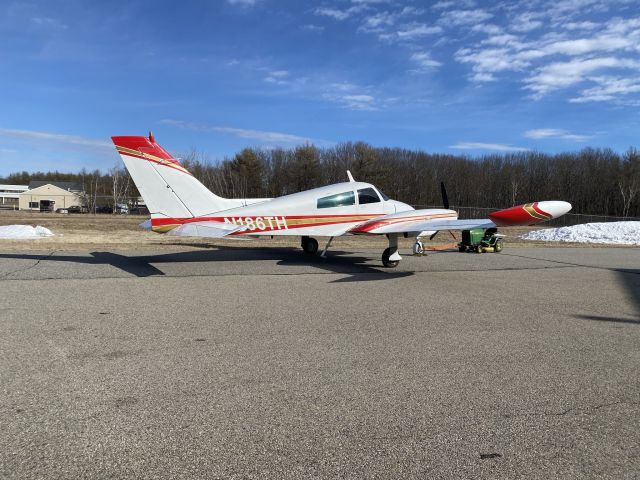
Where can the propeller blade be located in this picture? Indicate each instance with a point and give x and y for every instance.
(445, 198)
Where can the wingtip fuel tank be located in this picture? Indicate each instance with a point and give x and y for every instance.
(530, 213)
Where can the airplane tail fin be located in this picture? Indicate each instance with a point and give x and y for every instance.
(168, 189)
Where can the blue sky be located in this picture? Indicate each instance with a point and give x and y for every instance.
(449, 76)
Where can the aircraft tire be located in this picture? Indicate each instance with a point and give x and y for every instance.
(385, 259)
(310, 246)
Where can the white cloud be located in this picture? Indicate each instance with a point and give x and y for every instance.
(350, 96)
(279, 77)
(498, 147)
(489, 61)
(333, 13)
(376, 22)
(540, 133)
(556, 61)
(559, 75)
(49, 22)
(608, 89)
(312, 28)
(525, 22)
(489, 29)
(260, 135)
(418, 30)
(445, 4)
(424, 60)
(242, 3)
(464, 17)
(580, 25)
(353, 101)
(54, 137)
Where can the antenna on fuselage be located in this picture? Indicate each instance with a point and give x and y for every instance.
(350, 176)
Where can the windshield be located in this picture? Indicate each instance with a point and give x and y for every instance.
(384, 197)
(367, 195)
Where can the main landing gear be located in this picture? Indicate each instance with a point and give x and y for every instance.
(390, 257)
(309, 245)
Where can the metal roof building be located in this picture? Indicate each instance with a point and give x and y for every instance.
(51, 196)
(9, 196)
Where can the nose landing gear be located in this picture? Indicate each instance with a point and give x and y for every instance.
(390, 257)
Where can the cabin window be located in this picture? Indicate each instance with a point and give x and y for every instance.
(368, 195)
(339, 200)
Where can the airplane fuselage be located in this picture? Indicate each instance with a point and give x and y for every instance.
(324, 211)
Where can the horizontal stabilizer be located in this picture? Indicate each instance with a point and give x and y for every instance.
(206, 229)
(146, 225)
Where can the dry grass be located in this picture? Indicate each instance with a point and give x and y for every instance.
(121, 232)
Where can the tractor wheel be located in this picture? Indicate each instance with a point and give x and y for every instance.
(462, 249)
(310, 246)
(385, 259)
(498, 246)
(478, 249)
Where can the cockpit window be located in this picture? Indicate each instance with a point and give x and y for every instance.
(339, 200)
(368, 195)
(384, 197)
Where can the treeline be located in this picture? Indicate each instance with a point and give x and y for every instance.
(595, 181)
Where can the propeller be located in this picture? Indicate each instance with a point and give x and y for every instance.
(445, 198)
(445, 203)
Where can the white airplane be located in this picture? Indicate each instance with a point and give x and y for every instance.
(180, 205)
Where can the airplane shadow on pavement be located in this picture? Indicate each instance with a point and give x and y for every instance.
(630, 278)
(357, 268)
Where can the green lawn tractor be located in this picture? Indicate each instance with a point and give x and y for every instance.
(481, 240)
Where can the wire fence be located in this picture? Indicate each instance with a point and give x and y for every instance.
(133, 205)
(76, 203)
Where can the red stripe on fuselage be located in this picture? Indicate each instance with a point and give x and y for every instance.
(277, 223)
(368, 227)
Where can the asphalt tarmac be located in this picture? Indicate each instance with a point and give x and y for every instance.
(266, 363)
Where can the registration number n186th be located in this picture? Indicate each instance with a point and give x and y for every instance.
(259, 223)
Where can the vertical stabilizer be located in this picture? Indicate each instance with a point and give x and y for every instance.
(168, 189)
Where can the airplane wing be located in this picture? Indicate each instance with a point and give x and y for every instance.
(445, 219)
(206, 229)
(381, 226)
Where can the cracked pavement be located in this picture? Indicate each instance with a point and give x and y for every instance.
(241, 363)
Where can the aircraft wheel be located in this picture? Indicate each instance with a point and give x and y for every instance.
(310, 246)
(498, 246)
(418, 248)
(385, 259)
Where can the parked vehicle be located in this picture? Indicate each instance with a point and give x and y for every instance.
(481, 240)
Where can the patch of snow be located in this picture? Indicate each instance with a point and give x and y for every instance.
(615, 233)
(24, 231)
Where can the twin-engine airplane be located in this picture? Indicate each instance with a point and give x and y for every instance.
(180, 205)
